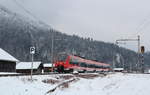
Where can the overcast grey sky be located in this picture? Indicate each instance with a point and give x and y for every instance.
(103, 20)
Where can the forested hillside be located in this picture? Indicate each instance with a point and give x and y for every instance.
(18, 34)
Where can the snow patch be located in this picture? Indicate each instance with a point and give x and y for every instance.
(112, 84)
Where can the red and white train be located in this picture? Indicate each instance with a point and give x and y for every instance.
(70, 63)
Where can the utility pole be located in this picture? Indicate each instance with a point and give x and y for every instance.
(139, 44)
(113, 64)
(123, 64)
(139, 61)
(138, 41)
(52, 50)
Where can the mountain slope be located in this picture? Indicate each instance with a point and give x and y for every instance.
(18, 34)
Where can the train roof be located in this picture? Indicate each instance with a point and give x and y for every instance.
(89, 61)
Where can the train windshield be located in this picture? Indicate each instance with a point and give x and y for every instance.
(62, 57)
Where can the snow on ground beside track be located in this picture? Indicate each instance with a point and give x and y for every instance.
(117, 84)
(6, 73)
(113, 84)
(21, 86)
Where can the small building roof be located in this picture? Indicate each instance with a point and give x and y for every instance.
(27, 65)
(47, 65)
(118, 69)
(5, 56)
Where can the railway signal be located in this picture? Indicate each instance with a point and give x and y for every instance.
(142, 58)
(142, 49)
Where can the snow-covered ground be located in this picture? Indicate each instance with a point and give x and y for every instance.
(7, 73)
(113, 84)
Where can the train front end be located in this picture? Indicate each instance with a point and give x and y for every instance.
(62, 65)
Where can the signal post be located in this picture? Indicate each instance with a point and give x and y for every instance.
(142, 59)
(32, 52)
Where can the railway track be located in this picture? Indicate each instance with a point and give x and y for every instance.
(9, 75)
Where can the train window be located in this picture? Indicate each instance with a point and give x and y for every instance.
(91, 65)
(105, 67)
(74, 60)
(100, 66)
(74, 63)
(96, 66)
(83, 64)
(62, 57)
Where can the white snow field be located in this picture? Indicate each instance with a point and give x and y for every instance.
(112, 84)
